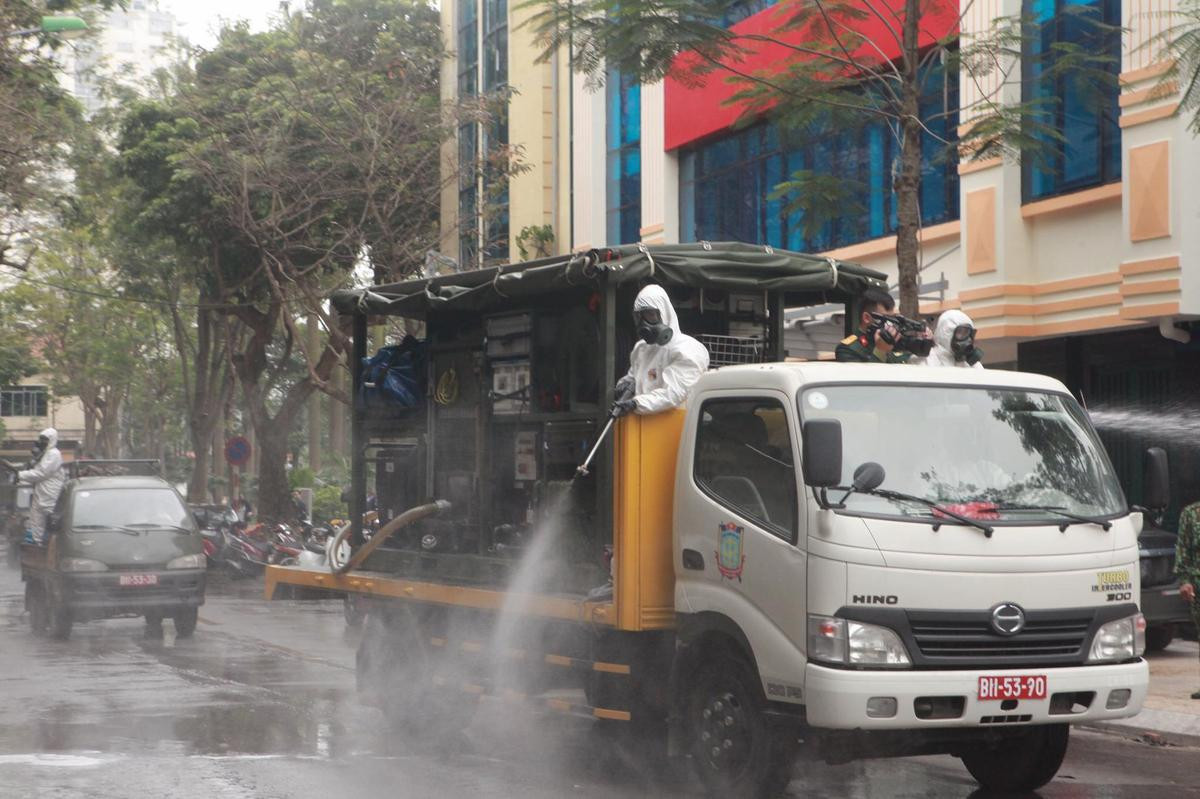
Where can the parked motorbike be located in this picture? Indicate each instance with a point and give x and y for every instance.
(249, 550)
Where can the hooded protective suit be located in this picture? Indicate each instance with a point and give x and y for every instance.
(663, 373)
(942, 353)
(47, 478)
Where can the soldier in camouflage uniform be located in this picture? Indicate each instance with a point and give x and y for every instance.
(1187, 562)
(864, 346)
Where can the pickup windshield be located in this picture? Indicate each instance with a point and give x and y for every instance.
(1008, 455)
(144, 508)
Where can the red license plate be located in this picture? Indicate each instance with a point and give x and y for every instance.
(139, 579)
(996, 689)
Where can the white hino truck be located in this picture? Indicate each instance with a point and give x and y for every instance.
(832, 561)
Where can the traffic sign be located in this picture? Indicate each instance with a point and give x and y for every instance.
(237, 451)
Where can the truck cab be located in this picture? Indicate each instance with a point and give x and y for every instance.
(911, 549)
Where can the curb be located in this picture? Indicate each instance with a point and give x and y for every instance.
(1146, 735)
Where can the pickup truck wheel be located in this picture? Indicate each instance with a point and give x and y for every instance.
(1159, 637)
(185, 622)
(154, 625)
(1020, 764)
(734, 749)
(35, 603)
(60, 619)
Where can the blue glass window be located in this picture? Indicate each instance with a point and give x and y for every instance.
(623, 170)
(725, 183)
(1085, 115)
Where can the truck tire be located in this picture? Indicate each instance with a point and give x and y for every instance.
(1020, 764)
(35, 603)
(734, 749)
(1159, 637)
(419, 690)
(185, 622)
(154, 627)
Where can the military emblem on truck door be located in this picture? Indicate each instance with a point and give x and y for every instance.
(730, 560)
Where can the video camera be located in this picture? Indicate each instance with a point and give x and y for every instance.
(904, 334)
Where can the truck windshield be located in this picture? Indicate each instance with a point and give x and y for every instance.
(123, 507)
(1009, 455)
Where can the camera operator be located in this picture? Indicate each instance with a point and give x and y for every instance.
(882, 336)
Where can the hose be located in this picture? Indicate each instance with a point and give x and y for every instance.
(408, 517)
(447, 388)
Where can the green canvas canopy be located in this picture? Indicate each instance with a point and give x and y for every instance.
(729, 266)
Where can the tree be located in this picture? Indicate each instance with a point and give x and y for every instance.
(1181, 41)
(305, 151)
(834, 66)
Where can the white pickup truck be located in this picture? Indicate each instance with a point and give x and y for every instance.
(875, 560)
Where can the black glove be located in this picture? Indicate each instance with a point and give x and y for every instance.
(623, 407)
(625, 388)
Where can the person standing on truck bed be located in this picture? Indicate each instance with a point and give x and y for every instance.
(45, 474)
(873, 342)
(954, 343)
(1187, 562)
(665, 362)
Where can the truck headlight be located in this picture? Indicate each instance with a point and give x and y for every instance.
(1123, 639)
(855, 643)
(197, 561)
(81, 565)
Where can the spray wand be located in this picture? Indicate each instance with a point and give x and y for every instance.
(623, 392)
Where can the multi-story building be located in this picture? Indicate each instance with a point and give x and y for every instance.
(127, 46)
(1084, 267)
(28, 408)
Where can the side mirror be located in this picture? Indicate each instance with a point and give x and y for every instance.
(868, 476)
(1156, 481)
(822, 452)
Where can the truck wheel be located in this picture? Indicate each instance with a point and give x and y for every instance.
(1020, 764)
(734, 749)
(59, 618)
(353, 611)
(1159, 637)
(154, 625)
(35, 603)
(419, 691)
(185, 622)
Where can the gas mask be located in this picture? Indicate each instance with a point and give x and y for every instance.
(962, 344)
(650, 327)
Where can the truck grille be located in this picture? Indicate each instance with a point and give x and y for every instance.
(970, 637)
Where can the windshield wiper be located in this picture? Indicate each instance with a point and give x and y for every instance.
(886, 494)
(1062, 528)
(157, 526)
(116, 528)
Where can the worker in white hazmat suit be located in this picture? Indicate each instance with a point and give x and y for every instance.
(954, 342)
(665, 362)
(46, 476)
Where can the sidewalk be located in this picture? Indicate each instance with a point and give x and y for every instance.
(1168, 714)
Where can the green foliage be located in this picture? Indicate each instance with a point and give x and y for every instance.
(302, 477)
(1182, 43)
(327, 504)
(535, 241)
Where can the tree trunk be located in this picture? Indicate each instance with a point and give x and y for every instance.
(89, 430)
(314, 402)
(908, 180)
(274, 494)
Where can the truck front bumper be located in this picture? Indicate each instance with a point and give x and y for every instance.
(837, 698)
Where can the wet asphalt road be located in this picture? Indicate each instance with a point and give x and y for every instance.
(261, 703)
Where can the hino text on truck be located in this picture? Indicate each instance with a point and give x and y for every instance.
(833, 561)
